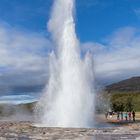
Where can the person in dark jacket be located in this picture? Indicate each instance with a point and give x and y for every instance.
(106, 115)
(133, 115)
(118, 115)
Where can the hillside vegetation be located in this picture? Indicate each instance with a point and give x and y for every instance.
(124, 95)
(128, 85)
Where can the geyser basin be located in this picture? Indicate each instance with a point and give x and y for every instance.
(17, 131)
(68, 100)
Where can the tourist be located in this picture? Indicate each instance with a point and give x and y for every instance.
(110, 114)
(125, 116)
(106, 115)
(133, 115)
(118, 115)
(121, 115)
(129, 115)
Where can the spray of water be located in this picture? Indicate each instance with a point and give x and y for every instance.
(69, 95)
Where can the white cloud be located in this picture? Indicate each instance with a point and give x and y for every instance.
(92, 47)
(120, 57)
(23, 56)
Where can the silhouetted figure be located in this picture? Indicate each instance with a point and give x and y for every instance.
(133, 115)
(118, 115)
(106, 115)
(110, 114)
(121, 115)
(126, 116)
(129, 116)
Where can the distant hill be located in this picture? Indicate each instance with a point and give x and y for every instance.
(128, 85)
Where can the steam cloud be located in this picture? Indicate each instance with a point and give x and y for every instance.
(68, 100)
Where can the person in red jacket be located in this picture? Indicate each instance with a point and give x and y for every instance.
(129, 115)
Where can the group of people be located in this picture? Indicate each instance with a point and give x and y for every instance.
(122, 115)
(126, 116)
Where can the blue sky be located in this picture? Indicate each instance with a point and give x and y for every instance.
(109, 29)
(95, 19)
(98, 20)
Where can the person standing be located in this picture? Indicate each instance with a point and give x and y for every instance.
(106, 115)
(129, 115)
(118, 116)
(126, 116)
(121, 115)
(133, 115)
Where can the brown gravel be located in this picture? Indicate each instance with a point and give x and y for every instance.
(26, 131)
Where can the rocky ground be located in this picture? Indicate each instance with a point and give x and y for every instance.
(26, 131)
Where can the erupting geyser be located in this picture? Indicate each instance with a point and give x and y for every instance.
(68, 100)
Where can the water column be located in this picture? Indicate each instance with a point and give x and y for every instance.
(68, 99)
